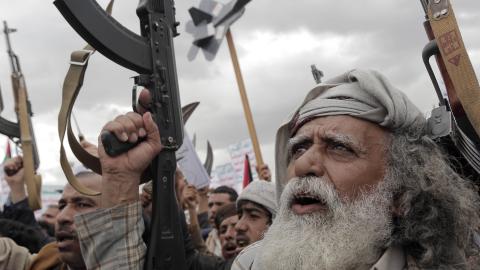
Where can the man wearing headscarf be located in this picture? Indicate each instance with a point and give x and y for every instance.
(256, 207)
(360, 185)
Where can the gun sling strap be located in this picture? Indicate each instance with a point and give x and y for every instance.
(452, 49)
(33, 181)
(71, 86)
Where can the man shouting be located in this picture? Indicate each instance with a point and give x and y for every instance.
(363, 187)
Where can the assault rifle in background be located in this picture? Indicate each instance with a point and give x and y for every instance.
(152, 56)
(456, 122)
(22, 131)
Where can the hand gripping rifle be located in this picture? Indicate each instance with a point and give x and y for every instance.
(152, 56)
(458, 114)
(23, 130)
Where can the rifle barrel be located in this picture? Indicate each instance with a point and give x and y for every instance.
(424, 5)
(14, 63)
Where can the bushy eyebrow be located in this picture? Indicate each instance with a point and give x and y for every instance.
(299, 139)
(346, 140)
(328, 137)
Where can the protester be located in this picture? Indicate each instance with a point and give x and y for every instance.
(190, 204)
(17, 208)
(225, 222)
(64, 253)
(220, 196)
(256, 208)
(363, 187)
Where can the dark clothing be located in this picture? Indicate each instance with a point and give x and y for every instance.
(20, 212)
(203, 220)
(197, 260)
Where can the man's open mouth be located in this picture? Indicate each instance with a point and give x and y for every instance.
(242, 241)
(230, 247)
(304, 203)
(63, 236)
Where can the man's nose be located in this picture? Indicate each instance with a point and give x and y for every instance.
(213, 212)
(310, 163)
(231, 233)
(66, 215)
(241, 225)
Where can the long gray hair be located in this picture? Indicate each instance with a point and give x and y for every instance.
(437, 211)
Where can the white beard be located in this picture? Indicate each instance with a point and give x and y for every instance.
(350, 235)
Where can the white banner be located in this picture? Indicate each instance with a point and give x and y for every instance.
(225, 175)
(191, 165)
(237, 153)
(231, 173)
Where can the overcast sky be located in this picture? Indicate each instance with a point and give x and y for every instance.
(277, 41)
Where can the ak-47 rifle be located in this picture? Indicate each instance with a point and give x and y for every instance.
(457, 119)
(152, 56)
(22, 132)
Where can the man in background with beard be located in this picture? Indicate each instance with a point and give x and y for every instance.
(363, 187)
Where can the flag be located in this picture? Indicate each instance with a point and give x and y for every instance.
(8, 152)
(247, 172)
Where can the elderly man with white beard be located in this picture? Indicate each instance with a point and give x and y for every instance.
(363, 187)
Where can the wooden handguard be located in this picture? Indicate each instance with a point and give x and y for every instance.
(446, 31)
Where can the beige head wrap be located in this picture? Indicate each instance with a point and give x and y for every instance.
(261, 192)
(365, 94)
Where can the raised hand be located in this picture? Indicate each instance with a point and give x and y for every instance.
(14, 176)
(121, 174)
(189, 195)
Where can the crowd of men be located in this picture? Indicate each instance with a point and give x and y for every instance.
(359, 184)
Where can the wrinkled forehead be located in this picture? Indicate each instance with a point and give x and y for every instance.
(339, 128)
(92, 181)
(342, 128)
